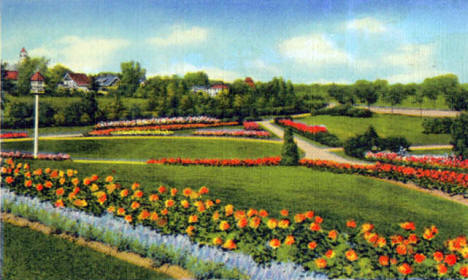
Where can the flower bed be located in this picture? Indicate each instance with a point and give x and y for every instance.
(43, 156)
(447, 181)
(268, 161)
(9, 135)
(425, 161)
(170, 127)
(318, 133)
(157, 121)
(251, 126)
(234, 133)
(360, 252)
(142, 132)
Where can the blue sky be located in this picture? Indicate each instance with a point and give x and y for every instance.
(306, 41)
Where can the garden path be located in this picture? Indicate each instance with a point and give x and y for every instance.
(311, 151)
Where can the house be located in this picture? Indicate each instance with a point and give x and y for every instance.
(196, 89)
(10, 75)
(75, 81)
(104, 82)
(215, 89)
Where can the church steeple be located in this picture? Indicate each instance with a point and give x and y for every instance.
(23, 55)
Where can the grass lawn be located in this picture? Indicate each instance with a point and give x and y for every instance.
(337, 197)
(43, 131)
(144, 149)
(385, 125)
(409, 103)
(432, 152)
(28, 254)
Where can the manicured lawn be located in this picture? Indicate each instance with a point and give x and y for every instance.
(431, 152)
(409, 103)
(333, 196)
(28, 254)
(44, 131)
(385, 125)
(144, 149)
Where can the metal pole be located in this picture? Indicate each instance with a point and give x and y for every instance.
(36, 127)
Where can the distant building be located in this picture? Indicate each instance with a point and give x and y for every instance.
(75, 81)
(23, 55)
(104, 82)
(215, 89)
(195, 89)
(10, 75)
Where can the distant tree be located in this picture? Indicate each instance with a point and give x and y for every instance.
(381, 87)
(459, 133)
(394, 95)
(116, 109)
(289, 152)
(341, 93)
(90, 105)
(26, 69)
(366, 92)
(196, 79)
(54, 76)
(132, 74)
(446, 85)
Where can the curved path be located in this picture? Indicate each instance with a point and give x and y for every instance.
(311, 151)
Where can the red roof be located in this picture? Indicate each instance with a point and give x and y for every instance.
(11, 75)
(220, 86)
(23, 50)
(37, 77)
(79, 78)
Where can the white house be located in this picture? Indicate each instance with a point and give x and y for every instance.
(75, 81)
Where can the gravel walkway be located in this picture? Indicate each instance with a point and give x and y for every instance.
(414, 112)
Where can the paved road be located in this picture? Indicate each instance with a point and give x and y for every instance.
(311, 151)
(414, 112)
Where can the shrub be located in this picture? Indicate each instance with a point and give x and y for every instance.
(289, 152)
(459, 134)
(344, 110)
(437, 125)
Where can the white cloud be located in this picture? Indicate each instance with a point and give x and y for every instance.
(214, 73)
(82, 54)
(181, 36)
(367, 24)
(314, 49)
(261, 65)
(415, 62)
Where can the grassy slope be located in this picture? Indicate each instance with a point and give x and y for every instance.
(152, 148)
(386, 125)
(336, 197)
(432, 152)
(28, 254)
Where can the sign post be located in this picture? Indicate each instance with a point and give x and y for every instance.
(37, 87)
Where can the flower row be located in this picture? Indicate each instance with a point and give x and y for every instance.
(142, 132)
(312, 129)
(268, 161)
(318, 133)
(157, 121)
(43, 156)
(171, 127)
(234, 133)
(251, 126)
(300, 237)
(13, 135)
(426, 161)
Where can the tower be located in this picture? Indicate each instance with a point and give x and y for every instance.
(23, 55)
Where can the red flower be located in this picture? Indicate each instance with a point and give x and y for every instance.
(408, 226)
(419, 258)
(351, 224)
(438, 256)
(384, 260)
(450, 259)
(405, 269)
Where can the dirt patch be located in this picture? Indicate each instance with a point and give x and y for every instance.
(173, 271)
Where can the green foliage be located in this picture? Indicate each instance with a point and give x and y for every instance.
(341, 93)
(459, 133)
(289, 152)
(199, 78)
(365, 91)
(26, 69)
(344, 110)
(132, 74)
(437, 125)
(54, 76)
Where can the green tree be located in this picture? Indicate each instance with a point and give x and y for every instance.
(54, 76)
(341, 93)
(196, 79)
(26, 69)
(132, 74)
(366, 92)
(459, 133)
(289, 151)
(394, 95)
(446, 85)
(90, 105)
(116, 109)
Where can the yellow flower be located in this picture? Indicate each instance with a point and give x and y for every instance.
(80, 203)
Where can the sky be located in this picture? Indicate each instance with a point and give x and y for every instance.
(305, 41)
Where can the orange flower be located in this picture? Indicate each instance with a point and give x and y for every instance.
(185, 203)
(272, 223)
(169, 203)
(223, 225)
(284, 213)
(381, 242)
(9, 179)
(332, 234)
(329, 254)
(48, 184)
(239, 214)
(289, 240)
(174, 191)
(275, 243)
(120, 211)
(124, 193)
(412, 239)
(135, 205)
(102, 198)
(309, 214)
(86, 181)
(263, 213)
(37, 171)
(28, 183)
(128, 218)
(70, 172)
(441, 269)
(384, 260)
(367, 227)
(109, 179)
(138, 194)
(314, 227)
(252, 212)
(396, 239)
(419, 258)
(254, 222)
(54, 174)
(217, 241)
(111, 209)
(228, 210)
(218, 201)
(144, 214)
(318, 219)
(283, 223)
(230, 244)
(80, 203)
(153, 197)
(351, 255)
(154, 216)
(209, 203)
(299, 218)
(193, 219)
(215, 216)
(405, 269)
(464, 271)
(164, 211)
(162, 189)
(408, 226)
(351, 223)
(401, 249)
(450, 259)
(62, 181)
(320, 263)
(203, 190)
(312, 245)
(76, 190)
(59, 203)
(110, 188)
(189, 230)
(438, 256)
(59, 191)
(94, 177)
(135, 186)
(187, 192)
(242, 223)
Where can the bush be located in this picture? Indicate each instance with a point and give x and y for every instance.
(289, 152)
(459, 134)
(344, 110)
(437, 125)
